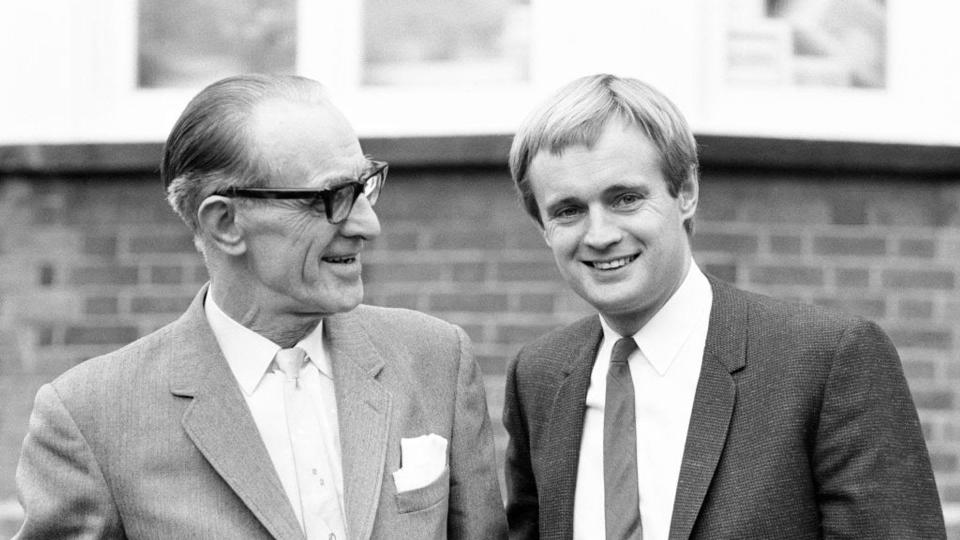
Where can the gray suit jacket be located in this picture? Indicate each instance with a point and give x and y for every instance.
(156, 441)
(802, 427)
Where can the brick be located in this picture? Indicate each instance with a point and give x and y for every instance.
(837, 245)
(101, 305)
(953, 372)
(787, 275)
(406, 272)
(870, 308)
(916, 309)
(933, 399)
(917, 247)
(528, 236)
(472, 272)
(47, 216)
(166, 275)
(46, 275)
(526, 271)
(446, 238)
(495, 303)
(916, 370)
(740, 244)
(950, 493)
(104, 275)
(849, 209)
(100, 245)
(200, 274)
(784, 203)
(852, 277)
(536, 303)
(943, 462)
(473, 331)
(43, 335)
(905, 211)
(929, 339)
(99, 335)
(521, 333)
(409, 301)
(724, 272)
(918, 279)
(398, 240)
(159, 304)
(165, 244)
(951, 432)
(786, 245)
(492, 365)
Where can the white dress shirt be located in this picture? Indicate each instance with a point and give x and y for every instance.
(665, 370)
(251, 359)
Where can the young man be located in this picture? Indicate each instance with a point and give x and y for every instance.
(688, 408)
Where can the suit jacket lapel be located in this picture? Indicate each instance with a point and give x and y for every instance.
(724, 354)
(561, 447)
(220, 425)
(363, 410)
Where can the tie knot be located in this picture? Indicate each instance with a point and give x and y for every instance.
(622, 350)
(290, 361)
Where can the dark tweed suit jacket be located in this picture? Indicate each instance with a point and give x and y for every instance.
(802, 427)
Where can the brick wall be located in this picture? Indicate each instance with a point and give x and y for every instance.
(90, 263)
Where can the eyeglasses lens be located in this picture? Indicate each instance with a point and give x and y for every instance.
(342, 202)
(371, 188)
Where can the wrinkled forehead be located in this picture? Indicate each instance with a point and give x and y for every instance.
(296, 142)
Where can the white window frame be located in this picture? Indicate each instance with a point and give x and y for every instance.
(73, 68)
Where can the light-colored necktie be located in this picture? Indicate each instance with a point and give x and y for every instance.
(621, 494)
(319, 502)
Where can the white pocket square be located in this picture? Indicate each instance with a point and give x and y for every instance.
(422, 461)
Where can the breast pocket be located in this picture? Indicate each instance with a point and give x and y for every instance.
(433, 494)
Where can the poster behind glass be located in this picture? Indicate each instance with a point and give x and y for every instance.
(190, 43)
(445, 43)
(832, 43)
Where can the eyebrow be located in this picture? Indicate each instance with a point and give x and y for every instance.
(336, 180)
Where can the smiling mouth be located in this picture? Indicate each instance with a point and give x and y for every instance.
(340, 260)
(612, 264)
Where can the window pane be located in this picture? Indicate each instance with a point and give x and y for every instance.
(194, 42)
(445, 42)
(808, 42)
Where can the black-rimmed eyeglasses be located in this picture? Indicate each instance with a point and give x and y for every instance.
(336, 203)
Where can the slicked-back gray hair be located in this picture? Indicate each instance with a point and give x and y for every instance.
(209, 148)
(577, 114)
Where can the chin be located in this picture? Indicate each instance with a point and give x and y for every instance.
(331, 304)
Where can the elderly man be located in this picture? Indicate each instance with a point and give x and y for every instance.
(688, 408)
(275, 406)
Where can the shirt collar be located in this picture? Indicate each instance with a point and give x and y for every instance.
(665, 333)
(251, 355)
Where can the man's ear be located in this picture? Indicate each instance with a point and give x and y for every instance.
(689, 195)
(217, 217)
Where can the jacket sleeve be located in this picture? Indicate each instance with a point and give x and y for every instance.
(59, 482)
(476, 506)
(523, 509)
(870, 461)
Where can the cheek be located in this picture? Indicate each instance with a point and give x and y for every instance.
(562, 240)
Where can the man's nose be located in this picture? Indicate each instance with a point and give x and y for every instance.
(602, 230)
(362, 221)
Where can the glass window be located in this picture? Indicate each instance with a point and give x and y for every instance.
(839, 43)
(444, 42)
(190, 43)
